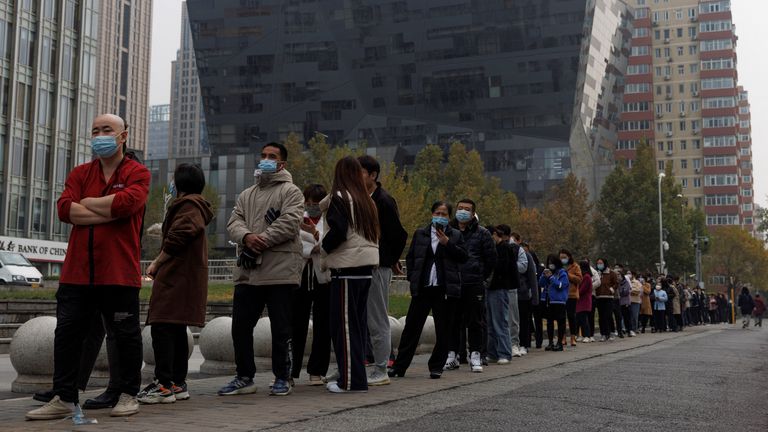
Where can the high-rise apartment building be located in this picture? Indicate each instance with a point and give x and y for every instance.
(124, 48)
(159, 132)
(681, 95)
(189, 138)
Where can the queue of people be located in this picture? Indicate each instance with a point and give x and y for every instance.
(330, 255)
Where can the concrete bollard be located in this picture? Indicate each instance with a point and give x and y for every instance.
(32, 355)
(217, 348)
(427, 339)
(395, 331)
(148, 372)
(262, 344)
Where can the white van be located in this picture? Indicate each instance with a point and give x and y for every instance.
(17, 270)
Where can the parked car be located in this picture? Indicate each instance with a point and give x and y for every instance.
(17, 270)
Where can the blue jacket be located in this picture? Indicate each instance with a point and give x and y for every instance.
(555, 287)
(661, 300)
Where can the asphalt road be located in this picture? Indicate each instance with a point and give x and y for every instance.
(710, 381)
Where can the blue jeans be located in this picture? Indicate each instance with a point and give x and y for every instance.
(635, 315)
(497, 315)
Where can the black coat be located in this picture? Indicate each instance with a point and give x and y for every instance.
(746, 303)
(393, 235)
(448, 258)
(482, 254)
(506, 268)
(529, 282)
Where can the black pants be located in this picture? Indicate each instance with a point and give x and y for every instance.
(169, 342)
(617, 319)
(119, 308)
(349, 330)
(248, 304)
(670, 318)
(471, 310)
(583, 320)
(315, 298)
(678, 322)
(592, 316)
(429, 299)
(712, 316)
(524, 306)
(539, 314)
(91, 348)
(570, 310)
(626, 315)
(556, 313)
(644, 319)
(658, 320)
(604, 311)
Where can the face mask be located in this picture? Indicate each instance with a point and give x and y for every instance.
(439, 222)
(172, 189)
(104, 146)
(552, 267)
(314, 211)
(641, 280)
(600, 267)
(564, 261)
(268, 166)
(629, 275)
(463, 215)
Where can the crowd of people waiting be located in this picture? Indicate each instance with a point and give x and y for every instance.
(328, 255)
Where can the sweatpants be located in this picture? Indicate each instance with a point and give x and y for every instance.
(428, 299)
(378, 317)
(524, 307)
(349, 329)
(556, 313)
(570, 310)
(604, 311)
(75, 307)
(169, 342)
(514, 318)
(248, 304)
(315, 298)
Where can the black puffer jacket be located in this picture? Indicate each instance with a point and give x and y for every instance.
(482, 254)
(529, 282)
(448, 258)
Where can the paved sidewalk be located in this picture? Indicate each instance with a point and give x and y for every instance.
(207, 411)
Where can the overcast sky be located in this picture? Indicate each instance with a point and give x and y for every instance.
(748, 15)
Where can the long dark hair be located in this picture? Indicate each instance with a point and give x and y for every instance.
(554, 259)
(348, 179)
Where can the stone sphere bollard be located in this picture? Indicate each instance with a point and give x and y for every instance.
(148, 372)
(32, 355)
(395, 331)
(217, 348)
(100, 373)
(428, 337)
(262, 344)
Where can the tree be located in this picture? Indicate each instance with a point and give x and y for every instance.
(410, 198)
(734, 253)
(568, 219)
(530, 226)
(428, 173)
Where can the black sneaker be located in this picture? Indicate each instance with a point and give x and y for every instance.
(104, 400)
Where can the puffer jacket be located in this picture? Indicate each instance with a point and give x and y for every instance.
(554, 288)
(609, 284)
(636, 291)
(343, 247)
(745, 303)
(482, 254)
(281, 263)
(574, 277)
(315, 259)
(448, 260)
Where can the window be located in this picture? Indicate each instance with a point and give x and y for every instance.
(635, 107)
(26, 46)
(661, 165)
(23, 101)
(743, 110)
(683, 163)
(641, 50)
(718, 122)
(716, 45)
(697, 164)
(743, 137)
(693, 49)
(719, 102)
(697, 184)
(746, 207)
(746, 192)
(722, 220)
(681, 69)
(636, 125)
(640, 32)
(694, 68)
(715, 26)
(684, 146)
(44, 107)
(640, 69)
(721, 200)
(692, 32)
(6, 38)
(680, 29)
(20, 157)
(716, 83)
(711, 161)
(626, 144)
(637, 88)
(721, 180)
(744, 124)
(746, 179)
(684, 183)
(694, 106)
(720, 141)
(717, 64)
(696, 144)
(717, 6)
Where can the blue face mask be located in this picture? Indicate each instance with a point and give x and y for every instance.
(463, 215)
(600, 267)
(564, 261)
(268, 166)
(104, 146)
(172, 189)
(439, 222)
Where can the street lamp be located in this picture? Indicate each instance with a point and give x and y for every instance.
(661, 231)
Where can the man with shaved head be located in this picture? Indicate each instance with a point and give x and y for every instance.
(104, 202)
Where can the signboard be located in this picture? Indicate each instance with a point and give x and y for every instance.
(35, 250)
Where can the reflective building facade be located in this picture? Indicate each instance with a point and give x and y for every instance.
(532, 85)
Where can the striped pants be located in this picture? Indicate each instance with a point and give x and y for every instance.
(349, 329)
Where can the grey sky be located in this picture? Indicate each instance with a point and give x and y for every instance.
(748, 15)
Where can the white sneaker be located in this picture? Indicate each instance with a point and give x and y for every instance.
(55, 409)
(523, 350)
(476, 362)
(126, 406)
(452, 363)
(332, 377)
(502, 361)
(632, 333)
(377, 378)
(516, 351)
(615, 334)
(579, 339)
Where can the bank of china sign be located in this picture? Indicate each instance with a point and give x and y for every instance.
(35, 250)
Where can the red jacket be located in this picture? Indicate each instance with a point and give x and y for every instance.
(584, 303)
(106, 254)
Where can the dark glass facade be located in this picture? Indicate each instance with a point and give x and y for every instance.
(533, 85)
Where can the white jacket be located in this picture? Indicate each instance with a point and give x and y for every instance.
(308, 243)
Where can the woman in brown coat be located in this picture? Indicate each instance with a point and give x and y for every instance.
(180, 290)
(646, 312)
(574, 278)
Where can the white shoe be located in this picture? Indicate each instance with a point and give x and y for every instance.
(53, 410)
(332, 377)
(579, 339)
(615, 334)
(523, 350)
(516, 351)
(452, 363)
(502, 361)
(377, 378)
(632, 333)
(476, 362)
(126, 406)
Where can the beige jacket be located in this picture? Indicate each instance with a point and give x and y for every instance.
(356, 251)
(281, 263)
(635, 291)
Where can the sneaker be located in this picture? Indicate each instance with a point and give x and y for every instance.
(612, 338)
(516, 351)
(503, 361)
(281, 387)
(476, 362)
(614, 333)
(491, 360)
(127, 405)
(579, 339)
(452, 363)
(158, 394)
(238, 386)
(524, 351)
(435, 374)
(333, 387)
(558, 347)
(377, 378)
(632, 333)
(332, 377)
(55, 409)
(180, 392)
(148, 389)
(315, 380)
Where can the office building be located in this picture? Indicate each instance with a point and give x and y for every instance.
(159, 132)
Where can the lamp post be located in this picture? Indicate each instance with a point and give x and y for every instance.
(661, 232)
